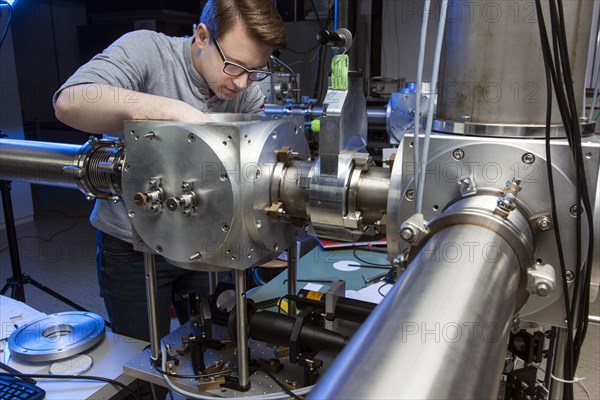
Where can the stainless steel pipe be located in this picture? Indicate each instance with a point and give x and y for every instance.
(479, 83)
(50, 164)
(441, 332)
(152, 296)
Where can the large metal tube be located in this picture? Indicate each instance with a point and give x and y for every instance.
(51, 164)
(479, 83)
(441, 332)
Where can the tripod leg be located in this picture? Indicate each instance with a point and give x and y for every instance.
(18, 293)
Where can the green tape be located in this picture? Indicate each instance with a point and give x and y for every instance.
(315, 125)
(339, 72)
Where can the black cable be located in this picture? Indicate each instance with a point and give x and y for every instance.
(302, 52)
(74, 377)
(10, 13)
(581, 291)
(558, 89)
(381, 287)
(281, 385)
(367, 262)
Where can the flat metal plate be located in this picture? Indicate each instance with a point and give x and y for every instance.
(56, 336)
(140, 366)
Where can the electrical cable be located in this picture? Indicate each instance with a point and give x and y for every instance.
(302, 52)
(434, 91)
(10, 13)
(580, 309)
(559, 67)
(381, 287)
(74, 377)
(55, 234)
(193, 376)
(368, 262)
(281, 385)
(551, 73)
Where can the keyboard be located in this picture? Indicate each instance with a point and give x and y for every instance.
(12, 388)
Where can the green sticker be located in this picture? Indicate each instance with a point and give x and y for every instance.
(339, 72)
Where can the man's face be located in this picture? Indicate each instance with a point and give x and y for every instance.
(237, 46)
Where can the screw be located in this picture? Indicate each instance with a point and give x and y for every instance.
(544, 223)
(159, 248)
(195, 256)
(407, 234)
(528, 158)
(191, 137)
(458, 154)
(542, 289)
(574, 210)
(150, 135)
(410, 195)
(570, 276)
(187, 212)
(90, 197)
(114, 199)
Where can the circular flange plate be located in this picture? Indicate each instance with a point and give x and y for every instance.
(56, 336)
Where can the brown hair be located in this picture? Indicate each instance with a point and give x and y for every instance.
(259, 17)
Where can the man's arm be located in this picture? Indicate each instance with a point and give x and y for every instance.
(100, 108)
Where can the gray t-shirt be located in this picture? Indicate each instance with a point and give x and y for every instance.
(150, 62)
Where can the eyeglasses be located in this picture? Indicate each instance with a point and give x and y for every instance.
(233, 69)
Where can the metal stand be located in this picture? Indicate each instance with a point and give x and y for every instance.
(242, 332)
(151, 294)
(17, 281)
(293, 256)
(213, 281)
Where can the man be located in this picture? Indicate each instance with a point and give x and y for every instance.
(147, 75)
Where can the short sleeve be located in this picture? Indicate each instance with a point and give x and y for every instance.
(125, 63)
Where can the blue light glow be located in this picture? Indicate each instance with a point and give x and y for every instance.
(11, 2)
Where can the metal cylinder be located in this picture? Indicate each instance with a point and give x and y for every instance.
(441, 332)
(372, 194)
(293, 188)
(51, 164)
(152, 296)
(278, 329)
(377, 117)
(492, 70)
(292, 272)
(241, 329)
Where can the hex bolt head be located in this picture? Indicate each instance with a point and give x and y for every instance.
(544, 223)
(407, 234)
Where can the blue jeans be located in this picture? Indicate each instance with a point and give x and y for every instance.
(123, 287)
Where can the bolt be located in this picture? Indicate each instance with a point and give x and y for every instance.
(150, 135)
(191, 137)
(570, 276)
(407, 234)
(114, 199)
(410, 195)
(542, 289)
(90, 197)
(187, 212)
(574, 210)
(195, 256)
(528, 158)
(458, 154)
(544, 223)
(185, 185)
